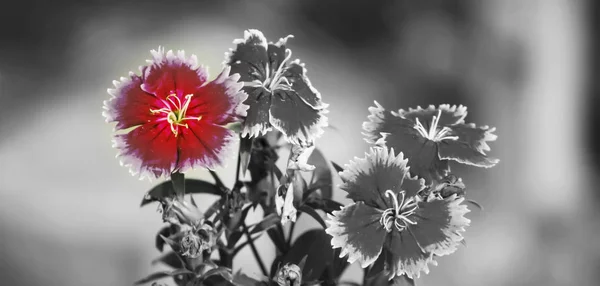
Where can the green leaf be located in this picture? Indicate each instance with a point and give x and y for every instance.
(310, 211)
(163, 274)
(315, 246)
(322, 174)
(192, 186)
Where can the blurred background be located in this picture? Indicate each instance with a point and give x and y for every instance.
(69, 213)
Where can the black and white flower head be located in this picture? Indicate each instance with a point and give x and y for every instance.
(430, 137)
(280, 94)
(390, 221)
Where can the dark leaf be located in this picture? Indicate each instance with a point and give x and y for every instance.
(178, 182)
(242, 279)
(299, 186)
(322, 174)
(215, 280)
(278, 239)
(166, 232)
(163, 274)
(222, 271)
(327, 206)
(310, 211)
(315, 246)
(170, 259)
(243, 244)
(218, 181)
(245, 153)
(262, 159)
(172, 243)
(337, 167)
(267, 222)
(192, 186)
(237, 234)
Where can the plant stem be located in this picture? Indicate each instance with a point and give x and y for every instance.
(254, 250)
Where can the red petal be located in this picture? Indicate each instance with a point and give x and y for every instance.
(170, 73)
(219, 101)
(149, 150)
(204, 145)
(130, 105)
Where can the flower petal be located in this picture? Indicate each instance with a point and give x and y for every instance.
(464, 154)
(220, 101)
(257, 120)
(204, 145)
(295, 72)
(277, 53)
(386, 129)
(367, 179)
(299, 121)
(250, 58)
(170, 73)
(149, 150)
(129, 105)
(449, 114)
(439, 224)
(471, 145)
(403, 255)
(357, 231)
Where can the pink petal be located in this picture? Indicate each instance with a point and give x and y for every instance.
(129, 105)
(170, 73)
(220, 101)
(149, 150)
(204, 145)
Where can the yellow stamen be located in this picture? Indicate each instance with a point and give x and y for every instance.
(176, 112)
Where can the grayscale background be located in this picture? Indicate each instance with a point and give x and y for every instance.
(69, 213)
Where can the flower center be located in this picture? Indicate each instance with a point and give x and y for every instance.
(174, 112)
(275, 81)
(398, 215)
(433, 133)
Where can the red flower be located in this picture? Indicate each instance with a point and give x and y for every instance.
(171, 117)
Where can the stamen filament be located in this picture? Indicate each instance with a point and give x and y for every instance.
(175, 112)
(433, 133)
(402, 209)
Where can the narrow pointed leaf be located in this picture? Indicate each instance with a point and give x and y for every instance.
(267, 222)
(171, 259)
(192, 186)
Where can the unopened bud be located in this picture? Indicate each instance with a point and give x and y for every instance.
(289, 275)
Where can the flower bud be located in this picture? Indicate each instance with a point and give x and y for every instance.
(289, 275)
(191, 245)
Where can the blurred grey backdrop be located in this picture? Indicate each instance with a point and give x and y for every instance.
(69, 213)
